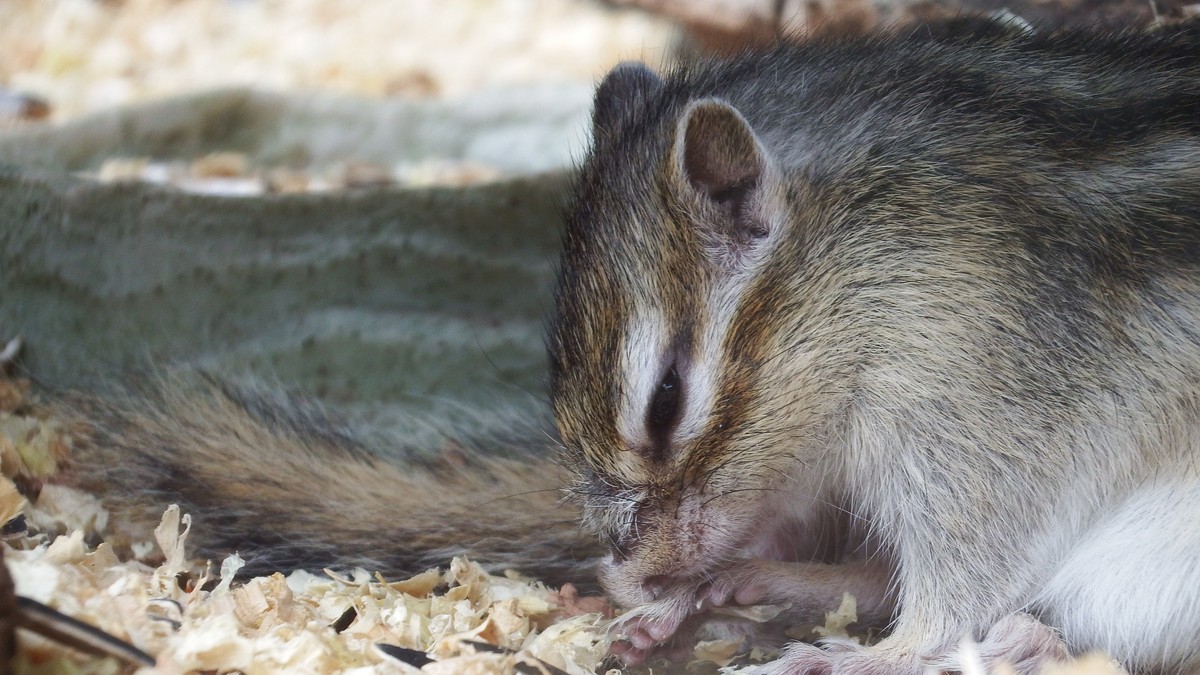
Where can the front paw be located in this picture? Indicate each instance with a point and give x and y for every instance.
(662, 628)
(667, 626)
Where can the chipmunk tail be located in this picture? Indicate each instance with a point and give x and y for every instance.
(288, 485)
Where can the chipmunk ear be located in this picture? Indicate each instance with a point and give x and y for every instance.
(719, 157)
(621, 94)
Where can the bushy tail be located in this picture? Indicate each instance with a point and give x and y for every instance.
(289, 486)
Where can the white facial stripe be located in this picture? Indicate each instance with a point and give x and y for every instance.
(704, 375)
(646, 344)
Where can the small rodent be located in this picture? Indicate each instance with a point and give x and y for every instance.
(912, 316)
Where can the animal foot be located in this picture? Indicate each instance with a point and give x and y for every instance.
(1018, 640)
(662, 628)
(665, 628)
(644, 638)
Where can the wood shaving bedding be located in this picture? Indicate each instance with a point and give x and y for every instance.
(192, 616)
(202, 621)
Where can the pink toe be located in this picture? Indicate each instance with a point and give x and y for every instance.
(719, 595)
(660, 630)
(749, 595)
(641, 640)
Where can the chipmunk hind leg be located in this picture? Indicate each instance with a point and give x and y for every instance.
(1132, 587)
(1018, 641)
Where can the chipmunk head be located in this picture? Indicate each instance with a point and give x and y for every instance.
(673, 309)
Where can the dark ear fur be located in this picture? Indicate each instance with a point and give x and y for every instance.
(621, 94)
(719, 150)
(720, 157)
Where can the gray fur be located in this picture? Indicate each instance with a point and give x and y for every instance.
(970, 317)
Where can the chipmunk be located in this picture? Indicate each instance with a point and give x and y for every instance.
(935, 299)
(915, 317)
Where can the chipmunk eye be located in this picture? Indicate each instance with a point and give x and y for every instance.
(663, 413)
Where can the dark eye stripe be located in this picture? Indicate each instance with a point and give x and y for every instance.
(663, 412)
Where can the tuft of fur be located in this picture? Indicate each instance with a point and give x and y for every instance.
(947, 283)
(289, 485)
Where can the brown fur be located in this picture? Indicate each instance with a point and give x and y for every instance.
(289, 485)
(947, 283)
(916, 316)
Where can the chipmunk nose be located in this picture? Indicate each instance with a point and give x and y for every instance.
(655, 585)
